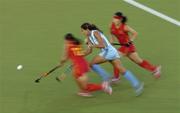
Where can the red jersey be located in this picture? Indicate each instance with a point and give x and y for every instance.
(120, 33)
(74, 52)
(80, 65)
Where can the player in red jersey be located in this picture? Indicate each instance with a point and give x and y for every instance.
(74, 52)
(125, 35)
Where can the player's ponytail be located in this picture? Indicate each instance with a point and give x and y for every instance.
(124, 19)
(73, 39)
(94, 27)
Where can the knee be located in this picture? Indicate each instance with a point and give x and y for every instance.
(91, 64)
(84, 87)
(82, 81)
(136, 59)
(121, 69)
(139, 61)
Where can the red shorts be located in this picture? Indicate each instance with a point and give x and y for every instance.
(127, 50)
(80, 68)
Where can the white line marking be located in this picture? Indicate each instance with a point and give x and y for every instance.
(154, 12)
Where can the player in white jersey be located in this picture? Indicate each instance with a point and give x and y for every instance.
(96, 39)
(108, 52)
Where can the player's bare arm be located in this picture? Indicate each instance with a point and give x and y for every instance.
(133, 33)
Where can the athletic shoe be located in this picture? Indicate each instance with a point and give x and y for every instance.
(157, 72)
(115, 80)
(84, 94)
(106, 87)
(139, 89)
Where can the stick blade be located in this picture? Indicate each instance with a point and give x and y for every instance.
(37, 81)
(57, 79)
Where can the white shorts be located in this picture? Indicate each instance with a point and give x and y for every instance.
(109, 53)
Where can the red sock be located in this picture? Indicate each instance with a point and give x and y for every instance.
(116, 72)
(93, 87)
(146, 65)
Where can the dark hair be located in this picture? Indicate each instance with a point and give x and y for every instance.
(88, 26)
(70, 37)
(120, 14)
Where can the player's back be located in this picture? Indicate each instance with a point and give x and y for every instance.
(75, 53)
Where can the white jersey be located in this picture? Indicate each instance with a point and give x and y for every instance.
(94, 41)
(108, 52)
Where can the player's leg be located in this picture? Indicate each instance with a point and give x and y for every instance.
(144, 64)
(98, 60)
(129, 76)
(96, 68)
(82, 86)
(83, 82)
(87, 87)
(116, 70)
